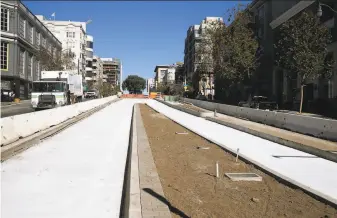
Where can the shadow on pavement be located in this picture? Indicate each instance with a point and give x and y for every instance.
(162, 199)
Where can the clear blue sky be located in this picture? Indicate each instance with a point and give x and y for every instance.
(142, 34)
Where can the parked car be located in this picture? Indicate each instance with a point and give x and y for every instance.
(201, 97)
(259, 102)
(7, 95)
(91, 94)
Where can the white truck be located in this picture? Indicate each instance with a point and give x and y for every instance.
(56, 88)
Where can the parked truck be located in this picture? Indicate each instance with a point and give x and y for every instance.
(56, 88)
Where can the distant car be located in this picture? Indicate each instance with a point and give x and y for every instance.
(7, 95)
(91, 94)
(201, 97)
(259, 102)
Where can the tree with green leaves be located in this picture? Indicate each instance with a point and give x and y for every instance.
(301, 49)
(232, 50)
(134, 84)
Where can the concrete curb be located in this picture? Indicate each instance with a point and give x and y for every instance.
(307, 189)
(149, 181)
(135, 209)
(16, 147)
(307, 149)
(195, 113)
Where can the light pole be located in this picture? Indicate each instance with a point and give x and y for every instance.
(319, 9)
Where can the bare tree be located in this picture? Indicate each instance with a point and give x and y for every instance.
(55, 61)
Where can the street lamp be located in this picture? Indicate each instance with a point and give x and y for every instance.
(319, 9)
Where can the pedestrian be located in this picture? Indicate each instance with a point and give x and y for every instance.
(12, 95)
(68, 97)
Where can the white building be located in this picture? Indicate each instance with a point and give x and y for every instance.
(150, 84)
(89, 51)
(170, 75)
(165, 74)
(72, 34)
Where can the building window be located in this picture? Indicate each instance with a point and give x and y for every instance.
(44, 42)
(260, 16)
(22, 27)
(4, 56)
(49, 47)
(90, 44)
(38, 70)
(30, 66)
(70, 34)
(38, 39)
(4, 19)
(30, 33)
(22, 63)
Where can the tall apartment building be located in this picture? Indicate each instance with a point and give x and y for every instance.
(72, 34)
(180, 73)
(97, 70)
(22, 34)
(112, 69)
(270, 15)
(192, 59)
(89, 59)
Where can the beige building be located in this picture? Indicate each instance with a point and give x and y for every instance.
(192, 60)
(97, 70)
(165, 74)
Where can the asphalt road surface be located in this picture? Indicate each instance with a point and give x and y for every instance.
(16, 109)
(19, 108)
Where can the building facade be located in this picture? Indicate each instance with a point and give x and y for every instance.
(278, 84)
(160, 73)
(72, 34)
(22, 34)
(112, 69)
(150, 84)
(89, 59)
(192, 56)
(97, 70)
(180, 77)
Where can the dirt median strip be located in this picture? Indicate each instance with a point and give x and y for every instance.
(187, 175)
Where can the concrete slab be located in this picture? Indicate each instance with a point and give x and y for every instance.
(311, 173)
(76, 173)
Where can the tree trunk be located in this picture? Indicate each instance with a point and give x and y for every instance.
(301, 104)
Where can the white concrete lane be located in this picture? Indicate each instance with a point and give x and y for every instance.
(307, 171)
(76, 173)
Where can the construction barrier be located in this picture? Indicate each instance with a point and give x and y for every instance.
(134, 96)
(23, 125)
(314, 126)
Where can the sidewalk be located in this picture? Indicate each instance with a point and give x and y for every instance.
(281, 133)
(14, 103)
(77, 173)
(302, 139)
(313, 174)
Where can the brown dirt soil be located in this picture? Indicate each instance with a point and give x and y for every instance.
(187, 177)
